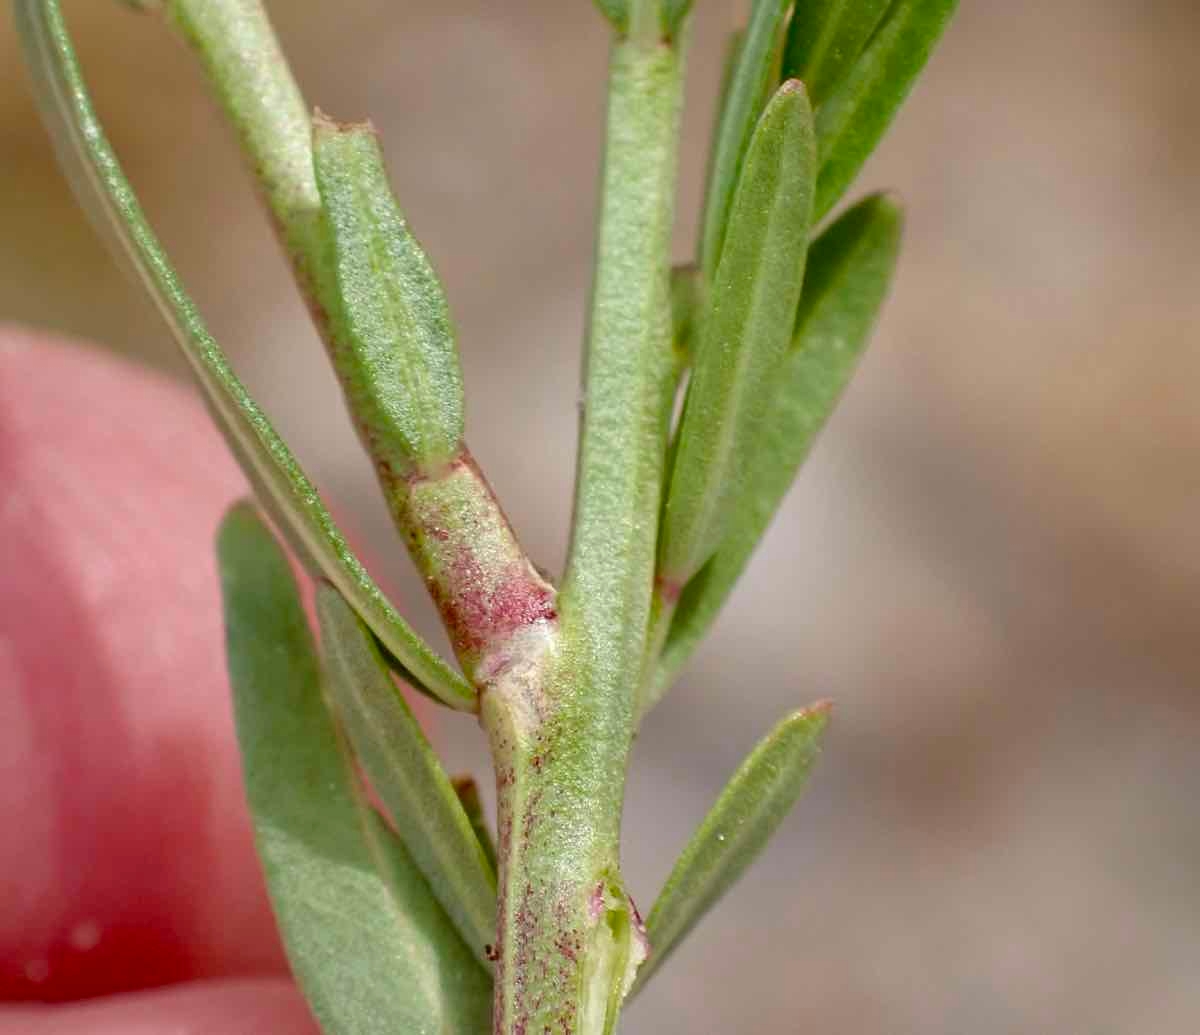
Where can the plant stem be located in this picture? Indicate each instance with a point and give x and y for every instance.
(557, 678)
(249, 74)
(449, 518)
(497, 608)
(569, 937)
(628, 382)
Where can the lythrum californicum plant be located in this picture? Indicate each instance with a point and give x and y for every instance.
(425, 924)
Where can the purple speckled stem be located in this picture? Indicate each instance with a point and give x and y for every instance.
(486, 589)
(568, 937)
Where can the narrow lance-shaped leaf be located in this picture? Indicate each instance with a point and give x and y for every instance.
(468, 794)
(747, 327)
(367, 942)
(287, 493)
(749, 86)
(852, 121)
(729, 70)
(397, 359)
(850, 267)
(735, 831)
(406, 774)
(825, 37)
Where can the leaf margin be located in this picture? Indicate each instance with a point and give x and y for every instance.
(287, 493)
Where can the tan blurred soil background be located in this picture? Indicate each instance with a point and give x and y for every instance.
(991, 564)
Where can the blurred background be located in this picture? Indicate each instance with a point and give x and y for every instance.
(991, 562)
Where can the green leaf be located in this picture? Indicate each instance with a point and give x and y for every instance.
(858, 112)
(674, 12)
(617, 13)
(406, 774)
(825, 37)
(367, 942)
(286, 492)
(850, 267)
(735, 831)
(398, 362)
(627, 16)
(749, 86)
(747, 327)
(468, 795)
(729, 68)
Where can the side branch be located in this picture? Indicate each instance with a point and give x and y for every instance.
(249, 75)
(327, 192)
(489, 594)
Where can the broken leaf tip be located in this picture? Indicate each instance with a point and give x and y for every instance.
(325, 125)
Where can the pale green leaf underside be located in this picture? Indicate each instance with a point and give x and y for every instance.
(286, 492)
(852, 121)
(850, 267)
(745, 332)
(749, 810)
(397, 359)
(367, 942)
(825, 37)
(406, 774)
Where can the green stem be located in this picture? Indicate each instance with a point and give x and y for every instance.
(452, 524)
(249, 74)
(557, 677)
(498, 610)
(629, 376)
(569, 938)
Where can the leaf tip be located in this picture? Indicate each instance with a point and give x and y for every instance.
(239, 510)
(810, 721)
(886, 205)
(792, 96)
(792, 86)
(241, 517)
